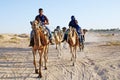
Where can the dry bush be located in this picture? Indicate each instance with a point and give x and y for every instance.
(106, 35)
(111, 43)
(28, 39)
(1, 36)
(15, 35)
(13, 40)
(23, 36)
(114, 43)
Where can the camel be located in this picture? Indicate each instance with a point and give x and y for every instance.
(82, 37)
(73, 43)
(84, 32)
(58, 36)
(41, 44)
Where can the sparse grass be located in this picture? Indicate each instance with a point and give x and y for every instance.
(23, 36)
(106, 35)
(13, 40)
(28, 39)
(114, 43)
(1, 36)
(15, 35)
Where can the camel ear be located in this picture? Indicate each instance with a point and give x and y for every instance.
(31, 22)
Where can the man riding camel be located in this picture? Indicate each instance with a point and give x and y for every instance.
(74, 24)
(41, 18)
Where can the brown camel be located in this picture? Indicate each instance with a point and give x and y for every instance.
(81, 44)
(73, 43)
(41, 43)
(58, 39)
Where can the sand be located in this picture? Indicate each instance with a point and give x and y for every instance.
(100, 59)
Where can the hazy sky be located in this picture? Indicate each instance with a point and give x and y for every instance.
(15, 15)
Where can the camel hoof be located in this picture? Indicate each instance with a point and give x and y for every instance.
(58, 57)
(39, 76)
(45, 68)
(36, 71)
(73, 64)
(71, 59)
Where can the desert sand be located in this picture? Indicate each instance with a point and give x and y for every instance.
(100, 59)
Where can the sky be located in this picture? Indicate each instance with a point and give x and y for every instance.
(15, 15)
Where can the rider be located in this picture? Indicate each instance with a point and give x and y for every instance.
(58, 28)
(74, 24)
(65, 31)
(44, 20)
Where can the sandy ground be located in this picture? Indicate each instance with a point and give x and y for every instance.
(100, 59)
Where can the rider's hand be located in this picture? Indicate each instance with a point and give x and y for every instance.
(46, 23)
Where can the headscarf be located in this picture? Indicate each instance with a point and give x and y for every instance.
(72, 17)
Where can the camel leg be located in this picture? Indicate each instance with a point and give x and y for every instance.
(40, 63)
(84, 37)
(45, 57)
(60, 49)
(47, 47)
(71, 51)
(34, 60)
(75, 52)
(56, 46)
(82, 46)
(60, 46)
(73, 57)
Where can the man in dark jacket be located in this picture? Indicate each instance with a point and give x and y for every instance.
(41, 18)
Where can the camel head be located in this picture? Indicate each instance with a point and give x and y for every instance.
(85, 30)
(55, 33)
(72, 32)
(72, 36)
(34, 24)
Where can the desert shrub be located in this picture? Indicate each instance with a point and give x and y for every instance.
(106, 35)
(1, 36)
(15, 35)
(11, 41)
(115, 43)
(23, 36)
(15, 38)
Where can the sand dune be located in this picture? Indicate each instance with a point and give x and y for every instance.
(100, 59)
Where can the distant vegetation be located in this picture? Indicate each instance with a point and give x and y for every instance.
(114, 29)
(1, 36)
(23, 36)
(112, 43)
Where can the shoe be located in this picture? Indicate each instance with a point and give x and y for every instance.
(62, 40)
(31, 43)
